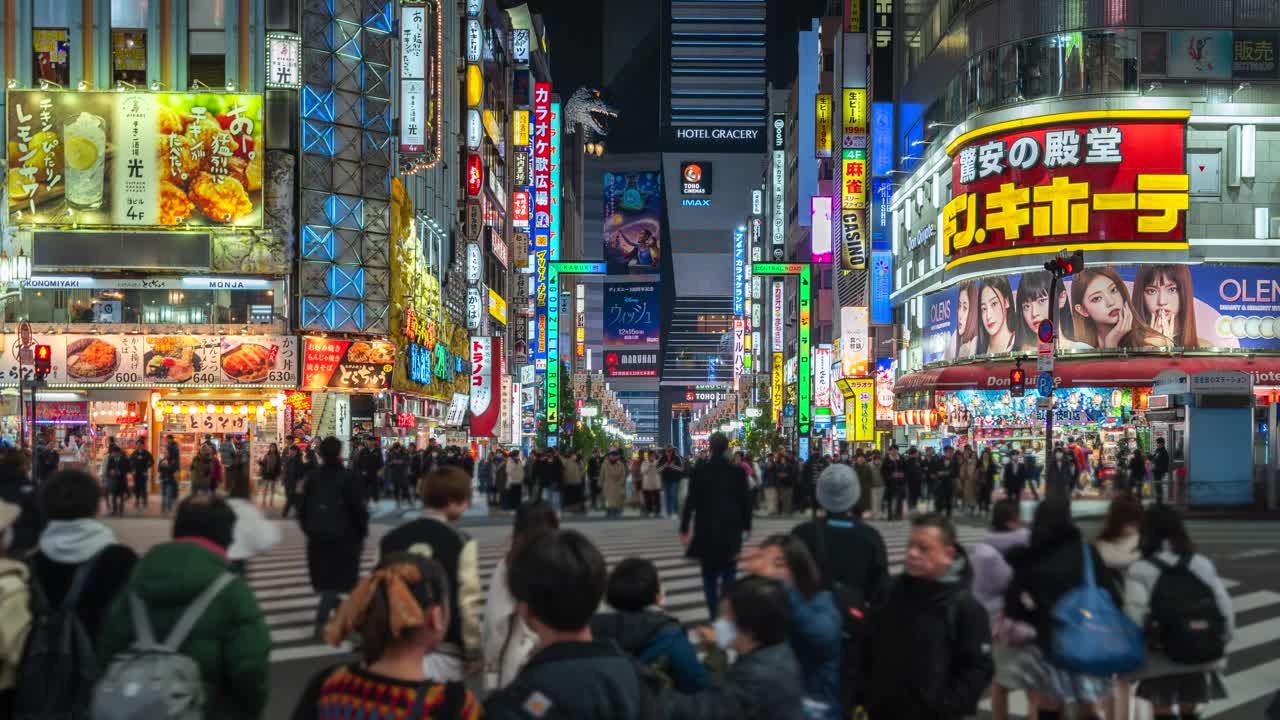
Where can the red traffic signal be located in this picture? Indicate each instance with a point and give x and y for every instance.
(1017, 382)
(43, 361)
(1066, 265)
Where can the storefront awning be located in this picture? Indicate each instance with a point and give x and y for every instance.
(1092, 372)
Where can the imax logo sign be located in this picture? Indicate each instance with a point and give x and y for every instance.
(696, 202)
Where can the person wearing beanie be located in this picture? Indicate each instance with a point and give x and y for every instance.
(850, 553)
(229, 641)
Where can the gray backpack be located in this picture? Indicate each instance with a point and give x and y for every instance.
(154, 680)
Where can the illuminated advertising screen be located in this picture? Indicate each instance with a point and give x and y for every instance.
(632, 314)
(804, 411)
(822, 125)
(621, 363)
(853, 213)
(1108, 181)
(1191, 307)
(135, 158)
(632, 222)
(820, 215)
(855, 118)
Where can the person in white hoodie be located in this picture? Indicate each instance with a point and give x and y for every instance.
(1175, 689)
(253, 534)
(1117, 544)
(509, 642)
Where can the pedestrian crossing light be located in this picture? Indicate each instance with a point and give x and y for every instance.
(1017, 382)
(43, 361)
(1066, 265)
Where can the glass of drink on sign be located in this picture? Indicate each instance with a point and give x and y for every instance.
(84, 150)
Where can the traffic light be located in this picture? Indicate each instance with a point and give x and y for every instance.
(1017, 382)
(43, 361)
(1066, 265)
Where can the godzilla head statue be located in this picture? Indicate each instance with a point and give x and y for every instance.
(588, 109)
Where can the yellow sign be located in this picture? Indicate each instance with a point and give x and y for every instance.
(822, 125)
(491, 127)
(497, 307)
(776, 397)
(520, 128)
(475, 86)
(855, 118)
(860, 426)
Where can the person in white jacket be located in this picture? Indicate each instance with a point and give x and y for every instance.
(508, 642)
(1173, 687)
(253, 534)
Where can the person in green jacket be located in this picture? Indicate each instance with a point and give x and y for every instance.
(230, 642)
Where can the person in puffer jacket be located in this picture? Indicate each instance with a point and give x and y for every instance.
(640, 628)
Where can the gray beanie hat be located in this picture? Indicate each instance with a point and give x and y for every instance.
(838, 488)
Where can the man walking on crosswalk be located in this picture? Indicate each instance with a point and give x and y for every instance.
(719, 508)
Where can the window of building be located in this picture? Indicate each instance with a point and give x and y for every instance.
(51, 42)
(129, 41)
(1112, 59)
(207, 40)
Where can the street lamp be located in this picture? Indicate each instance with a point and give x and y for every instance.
(21, 267)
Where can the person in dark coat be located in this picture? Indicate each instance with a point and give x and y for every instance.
(1159, 469)
(335, 519)
(115, 474)
(894, 471)
(1015, 476)
(17, 489)
(1052, 566)
(720, 500)
(548, 475)
(292, 472)
(1059, 475)
(167, 468)
(396, 472)
(945, 481)
(140, 462)
(368, 463)
(927, 652)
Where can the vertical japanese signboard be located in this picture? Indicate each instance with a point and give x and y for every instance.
(552, 381)
(778, 315)
(860, 424)
(739, 270)
(804, 410)
(855, 118)
(553, 183)
(775, 397)
(820, 221)
(853, 213)
(541, 216)
(822, 375)
(854, 358)
(822, 125)
(778, 185)
(419, 78)
(486, 388)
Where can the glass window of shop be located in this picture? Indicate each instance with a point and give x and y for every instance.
(207, 40)
(163, 307)
(129, 41)
(51, 42)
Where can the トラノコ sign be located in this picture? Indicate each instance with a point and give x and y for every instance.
(1108, 180)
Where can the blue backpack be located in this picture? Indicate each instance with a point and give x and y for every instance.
(1090, 635)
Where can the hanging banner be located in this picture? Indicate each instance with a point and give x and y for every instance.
(885, 375)
(822, 375)
(778, 314)
(861, 426)
(776, 394)
(420, 25)
(99, 158)
(486, 391)
(854, 357)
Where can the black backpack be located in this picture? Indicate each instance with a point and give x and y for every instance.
(327, 517)
(58, 667)
(853, 606)
(1188, 624)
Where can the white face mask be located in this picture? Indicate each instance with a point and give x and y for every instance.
(726, 632)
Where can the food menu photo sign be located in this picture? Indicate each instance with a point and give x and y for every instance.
(347, 364)
(1108, 180)
(135, 158)
(149, 360)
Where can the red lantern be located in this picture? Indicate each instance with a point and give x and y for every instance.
(475, 175)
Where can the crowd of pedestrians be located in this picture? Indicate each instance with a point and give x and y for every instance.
(818, 628)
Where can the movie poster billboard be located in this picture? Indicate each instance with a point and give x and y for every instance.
(632, 314)
(1128, 307)
(135, 158)
(632, 224)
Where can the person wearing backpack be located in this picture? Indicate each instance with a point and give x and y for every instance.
(76, 572)
(185, 630)
(15, 614)
(640, 627)
(401, 613)
(333, 515)
(1177, 596)
(558, 579)
(927, 650)
(1053, 568)
(853, 562)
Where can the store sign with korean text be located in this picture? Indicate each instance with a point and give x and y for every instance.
(135, 159)
(347, 364)
(154, 360)
(419, 78)
(1109, 181)
(486, 390)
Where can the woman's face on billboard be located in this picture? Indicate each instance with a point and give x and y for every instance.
(1162, 301)
(1103, 302)
(962, 310)
(992, 308)
(1035, 311)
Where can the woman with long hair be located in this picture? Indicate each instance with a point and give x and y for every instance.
(965, 342)
(1166, 303)
(401, 612)
(996, 312)
(1164, 682)
(507, 641)
(1032, 304)
(1104, 314)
